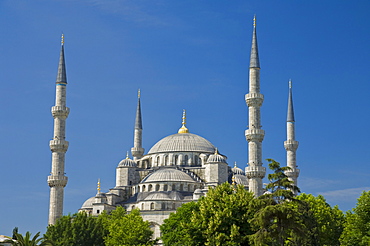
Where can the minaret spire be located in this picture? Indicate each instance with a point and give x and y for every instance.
(58, 145)
(137, 151)
(254, 135)
(290, 144)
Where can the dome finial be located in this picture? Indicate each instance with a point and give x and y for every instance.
(98, 189)
(255, 21)
(138, 93)
(216, 151)
(235, 164)
(183, 129)
(62, 41)
(127, 155)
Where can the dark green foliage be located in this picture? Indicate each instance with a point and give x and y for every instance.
(79, 229)
(277, 218)
(15, 232)
(357, 226)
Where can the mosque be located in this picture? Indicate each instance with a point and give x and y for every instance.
(178, 168)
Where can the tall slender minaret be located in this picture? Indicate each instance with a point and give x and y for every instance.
(58, 146)
(290, 144)
(137, 151)
(254, 135)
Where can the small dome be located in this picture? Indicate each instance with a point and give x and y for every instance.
(241, 179)
(182, 142)
(127, 163)
(88, 203)
(237, 170)
(216, 157)
(157, 196)
(167, 174)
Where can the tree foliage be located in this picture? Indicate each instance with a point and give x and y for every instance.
(126, 229)
(220, 218)
(357, 225)
(78, 229)
(28, 241)
(277, 217)
(325, 222)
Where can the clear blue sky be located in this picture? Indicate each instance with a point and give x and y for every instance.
(189, 55)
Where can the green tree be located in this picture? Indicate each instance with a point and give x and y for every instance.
(277, 216)
(325, 223)
(220, 218)
(28, 241)
(77, 230)
(357, 225)
(178, 230)
(127, 229)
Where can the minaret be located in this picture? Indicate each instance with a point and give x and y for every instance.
(290, 144)
(58, 145)
(254, 135)
(137, 151)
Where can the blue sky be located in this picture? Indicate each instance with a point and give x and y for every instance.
(189, 55)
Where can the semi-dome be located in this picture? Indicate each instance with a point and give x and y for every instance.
(182, 142)
(157, 196)
(169, 175)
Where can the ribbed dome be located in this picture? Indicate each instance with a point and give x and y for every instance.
(216, 158)
(167, 174)
(127, 163)
(237, 170)
(241, 179)
(182, 142)
(157, 196)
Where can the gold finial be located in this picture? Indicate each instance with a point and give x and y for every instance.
(233, 179)
(254, 21)
(138, 93)
(183, 129)
(98, 186)
(290, 83)
(62, 39)
(216, 151)
(235, 164)
(127, 155)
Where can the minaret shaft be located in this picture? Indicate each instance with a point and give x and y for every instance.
(254, 135)
(291, 144)
(58, 146)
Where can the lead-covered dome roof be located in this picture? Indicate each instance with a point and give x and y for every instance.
(182, 142)
(169, 175)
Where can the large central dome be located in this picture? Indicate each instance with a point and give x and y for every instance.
(182, 142)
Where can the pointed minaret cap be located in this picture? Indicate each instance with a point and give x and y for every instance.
(62, 77)
(183, 129)
(138, 121)
(290, 115)
(254, 60)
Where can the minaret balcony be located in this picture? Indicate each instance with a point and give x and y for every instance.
(60, 111)
(254, 99)
(292, 173)
(60, 181)
(254, 135)
(255, 172)
(137, 152)
(291, 145)
(58, 145)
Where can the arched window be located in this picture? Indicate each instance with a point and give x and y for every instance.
(166, 160)
(152, 206)
(163, 206)
(181, 187)
(176, 159)
(173, 206)
(138, 189)
(157, 187)
(150, 188)
(186, 159)
(165, 187)
(143, 188)
(173, 187)
(196, 158)
(130, 182)
(158, 158)
(142, 206)
(189, 187)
